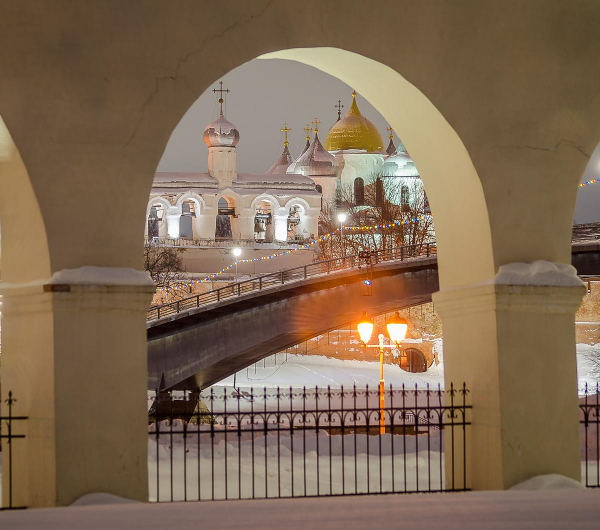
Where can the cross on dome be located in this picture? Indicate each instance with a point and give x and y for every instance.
(391, 131)
(307, 130)
(286, 130)
(221, 91)
(339, 106)
(316, 122)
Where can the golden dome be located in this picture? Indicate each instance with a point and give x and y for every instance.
(354, 132)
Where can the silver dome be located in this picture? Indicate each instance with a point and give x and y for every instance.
(221, 133)
(316, 161)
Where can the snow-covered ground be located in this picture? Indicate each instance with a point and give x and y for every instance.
(315, 370)
(571, 509)
(283, 370)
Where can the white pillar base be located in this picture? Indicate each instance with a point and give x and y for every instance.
(75, 358)
(514, 346)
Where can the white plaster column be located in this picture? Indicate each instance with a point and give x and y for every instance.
(280, 220)
(206, 224)
(74, 357)
(163, 231)
(245, 224)
(514, 347)
(173, 216)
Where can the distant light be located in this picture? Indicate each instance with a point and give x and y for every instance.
(367, 282)
(341, 217)
(237, 252)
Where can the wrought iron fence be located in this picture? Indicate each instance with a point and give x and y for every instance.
(590, 436)
(294, 274)
(7, 439)
(302, 443)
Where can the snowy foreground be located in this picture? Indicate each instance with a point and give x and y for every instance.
(494, 510)
(303, 465)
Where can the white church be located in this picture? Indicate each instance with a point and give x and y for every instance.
(283, 205)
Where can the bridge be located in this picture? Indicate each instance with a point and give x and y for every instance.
(197, 341)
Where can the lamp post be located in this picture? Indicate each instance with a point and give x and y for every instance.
(341, 218)
(237, 252)
(396, 328)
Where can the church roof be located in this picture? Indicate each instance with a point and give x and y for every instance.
(316, 161)
(282, 163)
(399, 164)
(354, 132)
(391, 148)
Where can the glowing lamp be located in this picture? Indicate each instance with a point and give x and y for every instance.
(365, 328)
(237, 252)
(397, 328)
(341, 217)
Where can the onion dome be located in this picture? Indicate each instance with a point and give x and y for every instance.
(399, 164)
(307, 130)
(316, 161)
(221, 133)
(354, 132)
(282, 163)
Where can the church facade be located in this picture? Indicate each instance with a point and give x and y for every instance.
(283, 204)
(224, 205)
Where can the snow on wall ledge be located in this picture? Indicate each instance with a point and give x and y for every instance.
(539, 272)
(101, 276)
(90, 275)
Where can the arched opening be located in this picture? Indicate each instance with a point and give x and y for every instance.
(263, 221)
(188, 216)
(157, 221)
(224, 228)
(412, 360)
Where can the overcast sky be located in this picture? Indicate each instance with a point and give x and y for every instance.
(265, 94)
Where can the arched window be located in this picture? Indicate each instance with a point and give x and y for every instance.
(404, 197)
(319, 188)
(153, 220)
(413, 360)
(359, 191)
(378, 192)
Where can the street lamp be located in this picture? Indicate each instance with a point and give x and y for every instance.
(396, 328)
(237, 252)
(341, 218)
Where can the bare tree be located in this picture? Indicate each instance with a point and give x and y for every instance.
(381, 201)
(164, 264)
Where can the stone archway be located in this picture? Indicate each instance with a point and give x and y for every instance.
(509, 143)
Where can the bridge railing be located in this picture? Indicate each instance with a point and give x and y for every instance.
(295, 274)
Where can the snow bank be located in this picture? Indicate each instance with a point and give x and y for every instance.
(539, 272)
(548, 482)
(97, 499)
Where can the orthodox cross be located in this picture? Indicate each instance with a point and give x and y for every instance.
(221, 91)
(391, 131)
(286, 130)
(316, 122)
(307, 130)
(339, 106)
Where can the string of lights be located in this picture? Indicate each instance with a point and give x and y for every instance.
(589, 183)
(191, 283)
